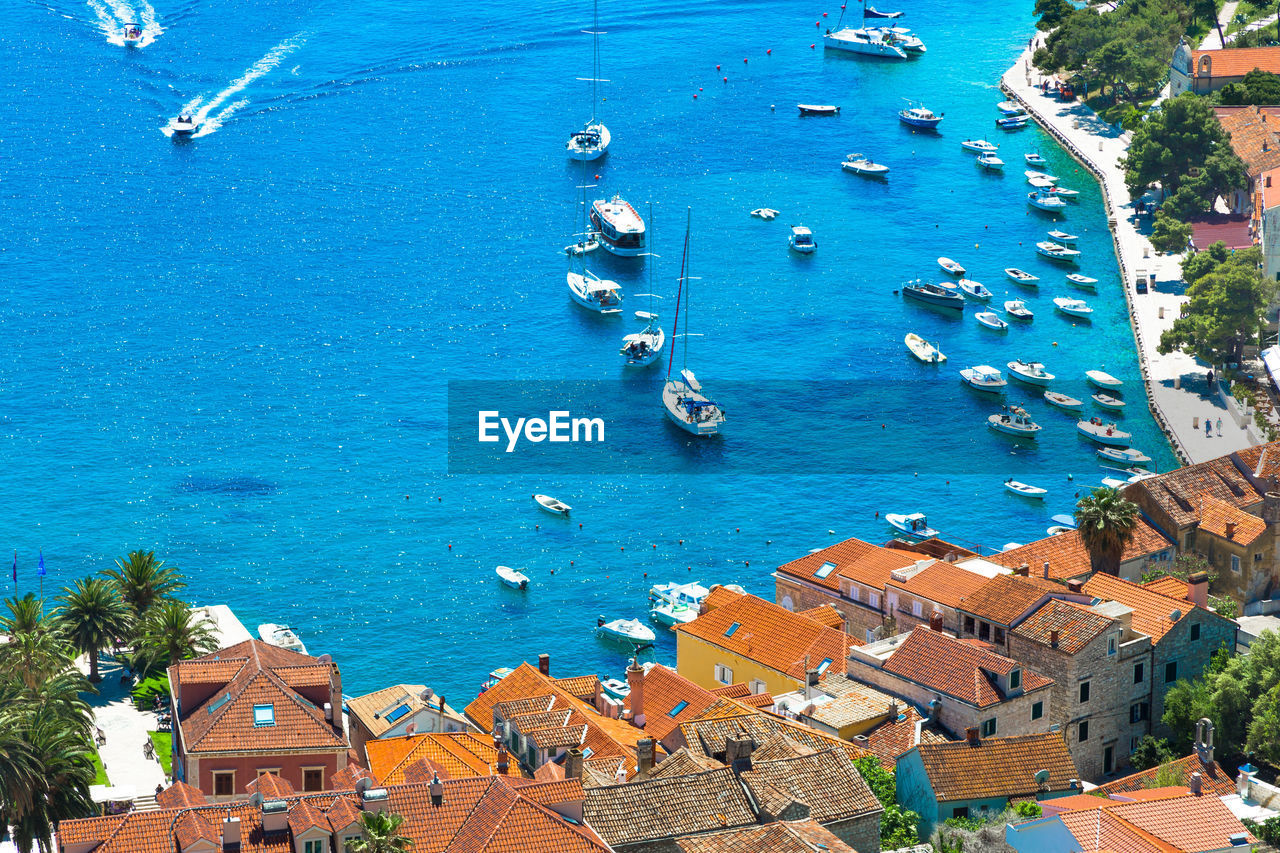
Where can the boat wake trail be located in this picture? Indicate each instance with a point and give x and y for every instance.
(114, 14)
(208, 116)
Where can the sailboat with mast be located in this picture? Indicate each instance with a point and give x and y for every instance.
(587, 239)
(885, 42)
(682, 397)
(643, 348)
(592, 142)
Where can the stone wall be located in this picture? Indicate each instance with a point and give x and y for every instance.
(858, 617)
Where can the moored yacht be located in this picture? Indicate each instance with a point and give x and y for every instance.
(979, 146)
(1031, 372)
(281, 636)
(984, 377)
(861, 40)
(682, 397)
(625, 631)
(595, 293)
(916, 114)
(913, 524)
(618, 227)
(1047, 200)
(1014, 421)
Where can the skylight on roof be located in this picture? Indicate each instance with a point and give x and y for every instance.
(680, 706)
(397, 714)
(264, 715)
(822, 667)
(825, 569)
(224, 699)
(587, 752)
(735, 626)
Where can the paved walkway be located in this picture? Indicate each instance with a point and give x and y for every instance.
(1212, 41)
(126, 729)
(1177, 385)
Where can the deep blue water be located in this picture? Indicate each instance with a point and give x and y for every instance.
(237, 350)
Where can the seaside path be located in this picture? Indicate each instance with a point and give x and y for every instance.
(1177, 385)
(126, 729)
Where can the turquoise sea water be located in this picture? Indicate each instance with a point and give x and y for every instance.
(238, 350)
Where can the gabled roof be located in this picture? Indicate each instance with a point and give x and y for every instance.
(1178, 492)
(1005, 598)
(270, 786)
(303, 817)
(996, 767)
(1237, 61)
(583, 687)
(709, 734)
(824, 614)
(193, 826)
(957, 669)
(666, 808)
(772, 636)
(826, 781)
(180, 795)
(854, 559)
(1151, 609)
(1076, 626)
(784, 836)
(455, 755)
(889, 740)
(1215, 515)
(1173, 821)
(381, 710)
(664, 691)
(1171, 587)
(943, 582)
(1068, 558)
(346, 778)
(1213, 779)
(682, 762)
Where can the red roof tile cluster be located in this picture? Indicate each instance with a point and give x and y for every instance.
(1075, 625)
(1214, 780)
(889, 740)
(854, 559)
(1005, 598)
(997, 767)
(1068, 558)
(1179, 492)
(664, 691)
(1152, 609)
(1165, 824)
(1231, 229)
(793, 836)
(943, 582)
(957, 669)
(270, 786)
(1216, 516)
(453, 755)
(180, 795)
(939, 549)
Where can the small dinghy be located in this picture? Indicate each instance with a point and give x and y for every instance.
(552, 505)
(1063, 520)
(1083, 281)
(913, 524)
(1063, 237)
(1063, 192)
(1073, 307)
(625, 631)
(671, 614)
(951, 266)
(1057, 252)
(764, 213)
(1018, 310)
(1125, 456)
(1010, 108)
(1031, 372)
(860, 165)
(1025, 490)
(1062, 401)
(818, 109)
(990, 162)
(934, 294)
(616, 688)
(583, 247)
(1014, 421)
(1103, 433)
(1021, 276)
(1101, 379)
(1106, 401)
(1046, 200)
(132, 35)
(1032, 174)
(992, 321)
(1041, 183)
(1012, 122)
(974, 289)
(873, 12)
(979, 146)
(923, 350)
(1057, 529)
(1034, 159)
(984, 377)
(512, 578)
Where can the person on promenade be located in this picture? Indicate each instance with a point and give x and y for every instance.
(1208, 427)
(1219, 426)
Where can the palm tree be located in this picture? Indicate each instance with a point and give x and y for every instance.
(92, 616)
(143, 581)
(173, 633)
(32, 657)
(1106, 521)
(26, 614)
(381, 834)
(61, 788)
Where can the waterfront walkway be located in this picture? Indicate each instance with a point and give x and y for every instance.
(126, 729)
(1177, 385)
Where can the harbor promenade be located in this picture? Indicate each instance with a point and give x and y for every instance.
(1177, 385)
(126, 729)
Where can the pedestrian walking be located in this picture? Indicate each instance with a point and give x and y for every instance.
(1208, 427)
(1219, 426)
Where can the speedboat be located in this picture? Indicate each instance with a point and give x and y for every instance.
(669, 614)
(1125, 456)
(1082, 281)
(1057, 252)
(912, 524)
(1106, 401)
(692, 593)
(870, 42)
(1040, 182)
(625, 631)
(861, 165)
(1014, 421)
(991, 320)
(590, 143)
(1103, 433)
(990, 162)
(619, 227)
(979, 146)
(1021, 276)
(496, 676)
(1033, 175)
(974, 289)
(595, 293)
(642, 348)
(1044, 199)
(818, 109)
(689, 408)
(616, 688)
(917, 115)
(1009, 108)
(873, 12)
(1025, 490)
(552, 505)
(1062, 401)
(933, 294)
(1033, 158)
(281, 636)
(801, 240)
(1012, 122)
(923, 350)
(1074, 307)
(132, 35)
(950, 266)
(984, 377)
(765, 213)
(584, 246)
(1018, 310)
(1063, 237)
(1063, 192)
(512, 578)
(1031, 372)
(184, 125)
(1101, 379)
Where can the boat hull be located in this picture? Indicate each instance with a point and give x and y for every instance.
(943, 300)
(1029, 378)
(580, 293)
(581, 149)
(898, 522)
(1069, 404)
(849, 41)
(672, 395)
(1116, 438)
(1024, 491)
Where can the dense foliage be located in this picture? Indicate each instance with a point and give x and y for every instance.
(1227, 308)
(898, 826)
(1151, 752)
(1258, 87)
(1106, 521)
(1240, 695)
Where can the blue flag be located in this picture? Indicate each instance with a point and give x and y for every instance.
(40, 569)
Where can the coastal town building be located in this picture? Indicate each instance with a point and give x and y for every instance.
(988, 613)
(914, 594)
(890, 740)
(254, 708)
(402, 709)
(454, 755)
(978, 776)
(1068, 559)
(850, 576)
(837, 705)
(1205, 71)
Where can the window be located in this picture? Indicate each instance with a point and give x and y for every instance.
(264, 770)
(757, 687)
(313, 778)
(264, 715)
(1037, 710)
(733, 628)
(1108, 759)
(1113, 643)
(1015, 679)
(916, 609)
(825, 569)
(314, 846)
(1084, 692)
(873, 599)
(222, 700)
(724, 675)
(968, 624)
(680, 706)
(997, 636)
(224, 783)
(1235, 563)
(1139, 673)
(989, 727)
(855, 593)
(1084, 731)
(984, 631)
(960, 811)
(1171, 672)
(1195, 632)
(1139, 711)
(397, 714)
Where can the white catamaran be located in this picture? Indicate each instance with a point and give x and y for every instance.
(682, 396)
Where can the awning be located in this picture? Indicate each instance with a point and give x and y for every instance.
(1271, 360)
(112, 793)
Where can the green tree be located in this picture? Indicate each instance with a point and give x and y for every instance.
(1151, 751)
(1106, 521)
(171, 632)
(1051, 12)
(1258, 87)
(1264, 729)
(93, 615)
(1169, 235)
(143, 581)
(33, 657)
(381, 834)
(1226, 311)
(898, 826)
(26, 614)
(1176, 139)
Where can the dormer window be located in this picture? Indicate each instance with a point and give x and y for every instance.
(264, 715)
(1015, 679)
(825, 569)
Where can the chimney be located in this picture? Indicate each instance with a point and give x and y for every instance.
(1053, 638)
(935, 621)
(635, 680)
(437, 791)
(497, 735)
(1204, 741)
(573, 763)
(810, 684)
(1075, 585)
(737, 751)
(1196, 781)
(231, 832)
(1023, 571)
(1198, 588)
(373, 800)
(333, 713)
(544, 664)
(1231, 530)
(503, 764)
(644, 755)
(893, 709)
(971, 735)
(1046, 569)
(275, 816)
(1271, 508)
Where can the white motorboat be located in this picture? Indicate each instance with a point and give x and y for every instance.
(1021, 276)
(512, 578)
(1083, 281)
(1040, 183)
(616, 688)
(618, 226)
(592, 142)
(642, 348)
(1034, 159)
(979, 146)
(184, 125)
(682, 396)
(1009, 108)
(913, 524)
(692, 593)
(1012, 122)
(587, 244)
(1032, 174)
(818, 109)
(1057, 252)
(1018, 310)
(917, 115)
(923, 350)
(1063, 237)
(1045, 200)
(666, 613)
(1063, 520)
(1058, 529)
(934, 294)
(951, 266)
(765, 213)
(860, 165)
(862, 40)
(1102, 380)
(1014, 421)
(1025, 490)
(1063, 192)
(1073, 307)
(625, 631)
(1010, 546)
(552, 505)
(992, 321)
(131, 35)
(1125, 456)
(594, 293)
(1106, 401)
(1104, 433)
(990, 162)
(281, 636)
(1031, 372)
(984, 377)
(974, 289)
(801, 240)
(1062, 401)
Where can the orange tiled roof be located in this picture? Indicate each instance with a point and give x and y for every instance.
(854, 559)
(1004, 598)
(1068, 558)
(771, 635)
(193, 826)
(709, 733)
(957, 669)
(889, 740)
(456, 755)
(1214, 780)
(1215, 515)
(346, 778)
(342, 814)
(1076, 626)
(824, 614)
(271, 786)
(1151, 608)
(303, 816)
(1237, 61)
(1175, 823)
(796, 836)
(373, 709)
(943, 582)
(939, 549)
(550, 793)
(667, 807)
(997, 767)
(1171, 587)
(1100, 830)
(664, 690)
(1178, 492)
(180, 795)
(1253, 137)
(581, 686)
(1263, 460)
(682, 762)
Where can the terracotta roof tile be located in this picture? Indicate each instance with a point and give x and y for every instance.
(943, 582)
(939, 549)
(854, 559)
(342, 814)
(1215, 515)
(709, 734)
(346, 778)
(826, 781)
(193, 826)
(303, 816)
(824, 614)
(180, 795)
(957, 669)
(889, 740)
(1237, 61)
(550, 793)
(997, 767)
(665, 808)
(581, 686)
(456, 754)
(664, 690)
(1151, 608)
(1263, 460)
(682, 762)
(1176, 823)
(1178, 492)
(1004, 598)
(271, 786)
(780, 746)
(1067, 556)
(1099, 830)
(88, 829)
(1171, 587)
(1076, 626)
(799, 836)
(373, 710)
(1214, 780)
